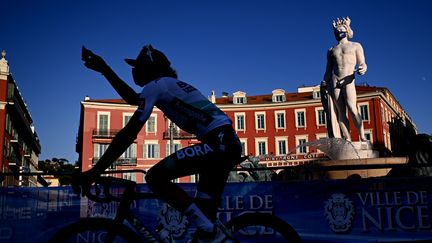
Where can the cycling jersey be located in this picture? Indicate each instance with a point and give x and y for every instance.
(183, 104)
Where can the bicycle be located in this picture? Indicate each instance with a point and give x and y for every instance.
(247, 227)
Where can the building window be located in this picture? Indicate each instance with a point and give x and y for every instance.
(129, 176)
(240, 122)
(302, 149)
(240, 100)
(126, 119)
(177, 147)
(99, 149)
(130, 152)
(364, 112)
(151, 150)
(280, 120)
(300, 118)
(8, 123)
(320, 136)
(243, 145)
(193, 178)
(278, 95)
(368, 135)
(281, 144)
(279, 98)
(151, 124)
(321, 117)
(301, 140)
(261, 146)
(103, 123)
(260, 121)
(239, 97)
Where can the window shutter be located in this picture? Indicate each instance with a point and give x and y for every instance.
(145, 151)
(95, 150)
(133, 152)
(168, 147)
(157, 154)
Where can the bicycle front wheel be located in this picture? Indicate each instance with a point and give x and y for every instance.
(260, 227)
(95, 230)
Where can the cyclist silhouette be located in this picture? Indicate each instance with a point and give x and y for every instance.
(217, 153)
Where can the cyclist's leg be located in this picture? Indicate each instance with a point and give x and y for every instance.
(159, 177)
(213, 178)
(218, 154)
(212, 160)
(187, 161)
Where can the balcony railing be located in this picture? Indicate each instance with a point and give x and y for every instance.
(105, 133)
(178, 135)
(120, 161)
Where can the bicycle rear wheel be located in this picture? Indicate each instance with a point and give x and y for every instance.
(95, 230)
(260, 227)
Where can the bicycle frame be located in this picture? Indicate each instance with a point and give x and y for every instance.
(124, 212)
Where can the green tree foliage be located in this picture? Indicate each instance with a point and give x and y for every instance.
(60, 168)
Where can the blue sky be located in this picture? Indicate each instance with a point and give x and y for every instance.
(224, 45)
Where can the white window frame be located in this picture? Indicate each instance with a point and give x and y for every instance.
(177, 145)
(236, 115)
(244, 140)
(99, 149)
(278, 93)
(193, 178)
(369, 132)
(155, 124)
(276, 114)
(257, 142)
(132, 149)
(129, 176)
(320, 136)
(297, 139)
(126, 114)
(317, 116)
(359, 107)
(258, 113)
(145, 146)
(285, 139)
(297, 112)
(239, 97)
(103, 113)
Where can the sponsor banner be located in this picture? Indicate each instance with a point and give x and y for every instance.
(364, 210)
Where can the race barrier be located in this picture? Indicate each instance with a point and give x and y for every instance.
(357, 210)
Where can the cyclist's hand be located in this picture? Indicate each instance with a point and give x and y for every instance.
(93, 61)
(81, 183)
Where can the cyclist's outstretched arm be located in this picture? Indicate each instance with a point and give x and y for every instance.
(119, 144)
(96, 63)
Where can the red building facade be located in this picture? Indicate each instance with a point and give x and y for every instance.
(269, 126)
(19, 143)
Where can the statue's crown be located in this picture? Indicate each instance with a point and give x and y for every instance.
(345, 22)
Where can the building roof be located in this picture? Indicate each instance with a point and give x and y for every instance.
(258, 99)
(298, 96)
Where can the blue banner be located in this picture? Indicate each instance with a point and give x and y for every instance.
(363, 210)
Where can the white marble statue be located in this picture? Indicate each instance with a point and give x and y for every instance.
(343, 61)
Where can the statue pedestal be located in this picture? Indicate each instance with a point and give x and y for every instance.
(364, 150)
(363, 173)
